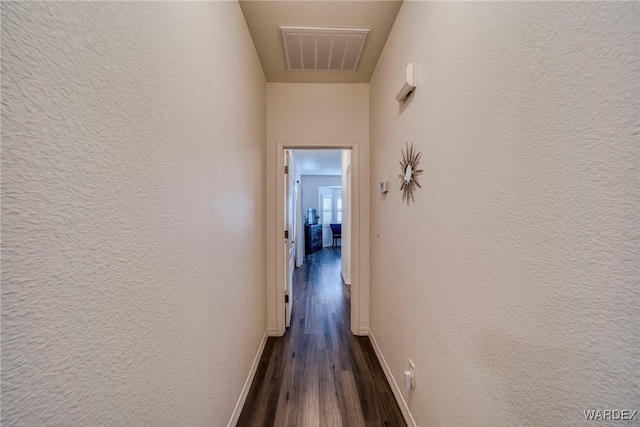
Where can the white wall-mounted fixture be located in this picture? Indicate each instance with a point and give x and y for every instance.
(408, 380)
(384, 186)
(408, 85)
(410, 377)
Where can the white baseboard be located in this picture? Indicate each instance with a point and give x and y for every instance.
(272, 332)
(247, 384)
(406, 413)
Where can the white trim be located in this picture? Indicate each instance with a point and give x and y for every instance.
(406, 413)
(247, 384)
(359, 236)
(346, 282)
(272, 332)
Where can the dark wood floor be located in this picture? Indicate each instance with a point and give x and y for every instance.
(319, 374)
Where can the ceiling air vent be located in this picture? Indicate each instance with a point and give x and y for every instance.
(323, 49)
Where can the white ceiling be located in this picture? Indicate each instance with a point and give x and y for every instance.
(264, 17)
(319, 162)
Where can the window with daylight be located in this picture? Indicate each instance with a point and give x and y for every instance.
(330, 200)
(327, 209)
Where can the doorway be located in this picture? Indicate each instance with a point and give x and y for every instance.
(358, 238)
(313, 214)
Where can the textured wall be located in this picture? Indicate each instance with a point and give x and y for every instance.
(308, 111)
(512, 281)
(132, 212)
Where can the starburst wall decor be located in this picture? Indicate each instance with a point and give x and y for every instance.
(410, 172)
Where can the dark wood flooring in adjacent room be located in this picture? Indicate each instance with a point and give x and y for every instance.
(318, 373)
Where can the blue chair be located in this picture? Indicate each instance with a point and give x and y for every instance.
(336, 230)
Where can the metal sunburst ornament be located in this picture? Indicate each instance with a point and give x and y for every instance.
(410, 172)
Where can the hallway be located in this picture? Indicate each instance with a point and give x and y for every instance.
(142, 225)
(319, 374)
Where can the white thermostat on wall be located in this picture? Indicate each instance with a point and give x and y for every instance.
(408, 85)
(383, 186)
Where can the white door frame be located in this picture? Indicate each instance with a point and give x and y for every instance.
(275, 222)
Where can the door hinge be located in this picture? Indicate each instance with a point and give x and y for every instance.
(286, 170)
(286, 234)
(286, 299)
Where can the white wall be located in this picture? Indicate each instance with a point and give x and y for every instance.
(512, 281)
(133, 231)
(317, 112)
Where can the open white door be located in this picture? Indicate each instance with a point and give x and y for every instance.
(289, 241)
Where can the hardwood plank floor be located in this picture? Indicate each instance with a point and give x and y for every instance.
(318, 373)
